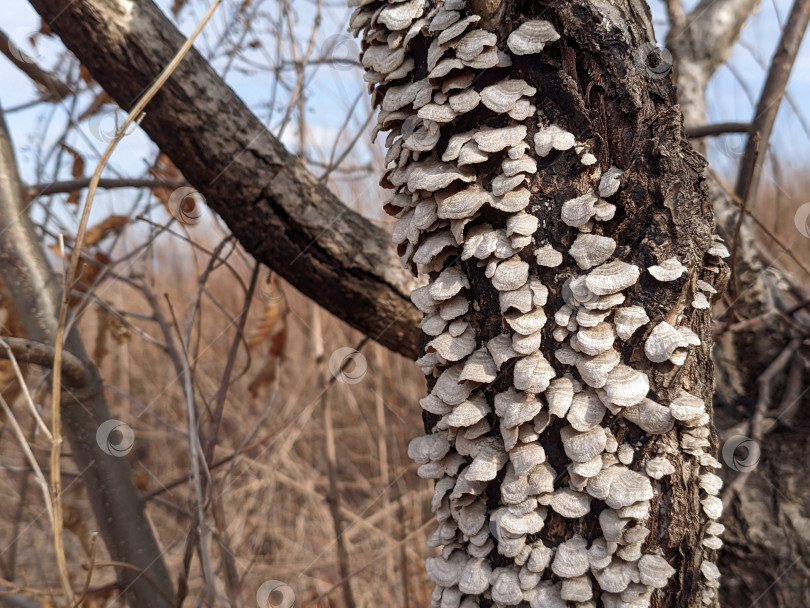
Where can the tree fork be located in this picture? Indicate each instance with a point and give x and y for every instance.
(279, 212)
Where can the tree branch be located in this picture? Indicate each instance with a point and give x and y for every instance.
(77, 184)
(714, 26)
(720, 128)
(770, 100)
(54, 88)
(74, 370)
(279, 211)
(29, 289)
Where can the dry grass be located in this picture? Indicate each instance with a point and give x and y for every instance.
(780, 201)
(275, 521)
(273, 517)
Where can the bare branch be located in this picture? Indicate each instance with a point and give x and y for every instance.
(27, 284)
(278, 210)
(78, 184)
(771, 98)
(54, 89)
(720, 128)
(74, 370)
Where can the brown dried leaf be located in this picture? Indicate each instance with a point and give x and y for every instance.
(100, 347)
(95, 106)
(274, 309)
(78, 161)
(45, 28)
(85, 75)
(112, 224)
(267, 374)
(74, 523)
(10, 325)
(164, 169)
(88, 273)
(178, 6)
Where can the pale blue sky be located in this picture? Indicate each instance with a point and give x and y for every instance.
(333, 92)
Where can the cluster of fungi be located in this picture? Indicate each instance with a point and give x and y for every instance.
(550, 372)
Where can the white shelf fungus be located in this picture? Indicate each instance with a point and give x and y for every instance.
(530, 37)
(590, 250)
(474, 203)
(668, 270)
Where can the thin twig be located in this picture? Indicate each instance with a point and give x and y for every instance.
(721, 128)
(29, 455)
(736, 243)
(759, 223)
(107, 183)
(765, 386)
(38, 353)
(128, 566)
(54, 89)
(90, 568)
(56, 420)
(770, 100)
(4, 342)
(333, 495)
(315, 601)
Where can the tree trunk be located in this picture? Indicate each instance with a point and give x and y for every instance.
(764, 560)
(30, 291)
(544, 184)
(279, 212)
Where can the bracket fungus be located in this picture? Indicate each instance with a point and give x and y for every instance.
(590, 250)
(531, 37)
(668, 270)
(550, 363)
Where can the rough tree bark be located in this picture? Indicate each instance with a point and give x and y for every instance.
(200, 153)
(544, 184)
(764, 559)
(31, 292)
(279, 212)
